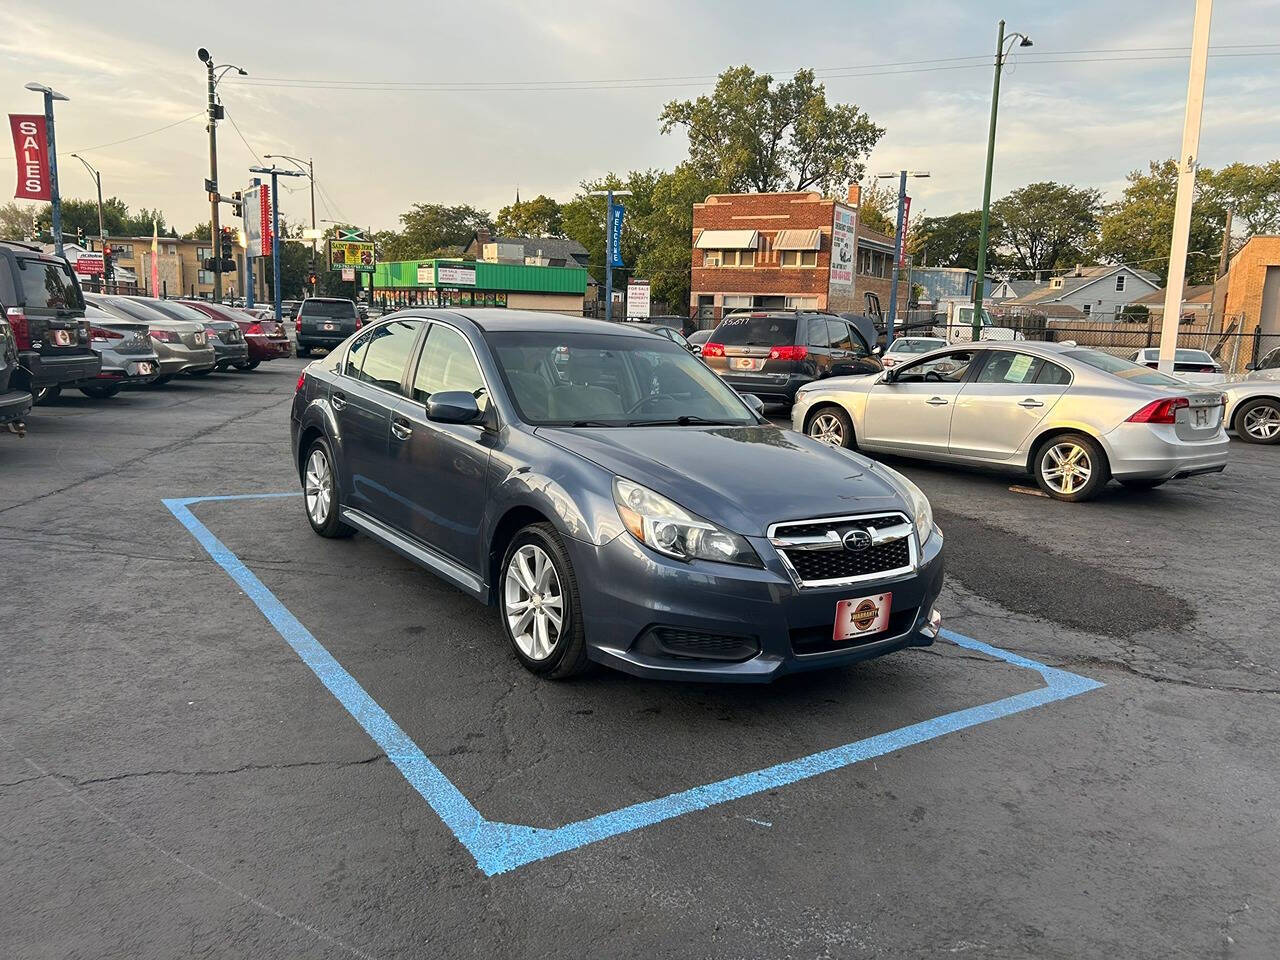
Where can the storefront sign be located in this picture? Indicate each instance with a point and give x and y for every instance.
(90, 265)
(31, 149)
(356, 254)
(842, 230)
(348, 273)
(456, 276)
(638, 300)
(426, 274)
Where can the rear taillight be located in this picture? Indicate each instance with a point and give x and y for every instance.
(18, 321)
(168, 336)
(1161, 411)
(253, 330)
(102, 335)
(302, 379)
(788, 353)
(710, 349)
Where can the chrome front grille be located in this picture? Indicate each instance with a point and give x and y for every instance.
(830, 551)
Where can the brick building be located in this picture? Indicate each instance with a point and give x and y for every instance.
(1247, 300)
(786, 251)
(178, 266)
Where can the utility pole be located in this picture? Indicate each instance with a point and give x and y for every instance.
(215, 73)
(1187, 162)
(610, 253)
(55, 199)
(274, 173)
(978, 287)
(311, 175)
(897, 246)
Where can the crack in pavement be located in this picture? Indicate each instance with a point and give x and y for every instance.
(199, 773)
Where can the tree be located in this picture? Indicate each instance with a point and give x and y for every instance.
(1253, 190)
(116, 219)
(16, 221)
(1047, 225)
(539, 217)
(878, 208)
(295, 264)
(432, 229)
(753, 134)
(952, 241)
(1138, 228)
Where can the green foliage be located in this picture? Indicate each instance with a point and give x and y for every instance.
(1138, 228)
(539, 217)
(116, 218)
(432, 229)
(1046, 225)
(952, 241)
(878, 208)
(1253, 189)
(16, 221)
(751, 133)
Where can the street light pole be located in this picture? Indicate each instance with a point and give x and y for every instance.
(898, 240)
(1001, 54)
(97, 179)
(55, 199)
(273, 173)
(215, 114)
(311, 175)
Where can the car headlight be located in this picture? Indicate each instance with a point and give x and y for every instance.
(921, 510)
(668, 528)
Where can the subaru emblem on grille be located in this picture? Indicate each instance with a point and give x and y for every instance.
(856, 540)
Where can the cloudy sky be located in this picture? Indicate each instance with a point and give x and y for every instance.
(403, 102)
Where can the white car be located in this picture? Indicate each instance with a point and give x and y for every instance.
(1193, 366)
(1253, 405)
(908, 348)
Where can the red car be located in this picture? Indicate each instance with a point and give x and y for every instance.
(267, 339)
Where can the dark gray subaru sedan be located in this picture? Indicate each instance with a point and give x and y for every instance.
(613, 498)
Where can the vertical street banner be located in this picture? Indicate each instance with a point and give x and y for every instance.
(842, 231)
(31, 150)
(615, 234)
(906, 217)
(257, 221)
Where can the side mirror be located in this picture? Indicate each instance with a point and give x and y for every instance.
(891, 375)
(876, 351)
(453, 406)
(1251, 366)
(754, 402)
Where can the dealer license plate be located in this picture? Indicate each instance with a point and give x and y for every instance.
(329, 326)
(145, 369)
(1201, 415)
(60, 338)
(862, 617)
(747, 363)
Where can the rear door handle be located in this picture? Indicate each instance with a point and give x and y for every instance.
(937, 401)
(339, 400)
(1029, 403)
(400, 429)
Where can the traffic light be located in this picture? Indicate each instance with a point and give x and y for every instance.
(312, 279)
(226, 245)
(237, 204)
(80, 236)
(108, 268)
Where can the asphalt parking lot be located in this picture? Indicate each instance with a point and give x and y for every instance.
(176, 780)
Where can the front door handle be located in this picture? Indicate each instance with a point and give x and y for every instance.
(400, 429)
(339, 400)
(937, 402)
(1029, 403)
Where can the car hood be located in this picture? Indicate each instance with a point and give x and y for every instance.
(743, 477)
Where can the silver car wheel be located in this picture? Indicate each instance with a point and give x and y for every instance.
(827, 429)
(533, 602)
(1066, 467)
(318, 486)
(1262, 422)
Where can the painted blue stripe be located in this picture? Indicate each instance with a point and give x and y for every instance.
(499, 847)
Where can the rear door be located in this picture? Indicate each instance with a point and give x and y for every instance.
(363, 412)
(1007, 399)
(819, 335)
(913, 413)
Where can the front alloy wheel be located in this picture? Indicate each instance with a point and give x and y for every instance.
(1260, 421)
(831, 426)
(533, 602)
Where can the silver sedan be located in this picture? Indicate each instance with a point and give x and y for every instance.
(1070, 416)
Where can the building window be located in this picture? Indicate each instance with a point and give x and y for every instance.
(1119, 310)
(729, 258)
(802, 303)
(1120, 283)
(798, 258)
(204, 253)
(204, 277)
(737, 302)
(124, 250)
(1087, 309)
(1056, 283)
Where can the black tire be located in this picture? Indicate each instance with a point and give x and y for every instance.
(568, 656)
(100, 391)
(330, 525)
(200, 373)
(46, 393)
(251, 365)
(161, 381)
(242, 365)
(304, 351)
(1261, 410)
(1092, 459)
(836, 422)
(1142, 484)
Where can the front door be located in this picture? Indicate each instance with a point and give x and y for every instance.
(441, 469)
(912, 413)
(997, 410)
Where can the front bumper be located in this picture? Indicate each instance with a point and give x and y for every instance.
(771, 388)
(632, 596)
(14, 405)
(1140, 451)
(38, 370)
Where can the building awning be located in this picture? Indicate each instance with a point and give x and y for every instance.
(727, 240)
(798, 240)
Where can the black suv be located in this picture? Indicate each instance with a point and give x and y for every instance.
(772, 354)
(14, 404)
(45, 309)
(325, 322)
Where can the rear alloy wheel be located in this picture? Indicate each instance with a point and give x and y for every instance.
(832, 426)
(320, 492)
(100, 391)
(1258, 421)
(538, 597)
(1071, 467)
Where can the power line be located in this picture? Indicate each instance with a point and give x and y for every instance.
(138, 136)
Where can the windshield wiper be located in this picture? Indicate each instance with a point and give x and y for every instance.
(687, 420)
(593, 423)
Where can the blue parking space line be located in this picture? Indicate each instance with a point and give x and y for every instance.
(500, 847)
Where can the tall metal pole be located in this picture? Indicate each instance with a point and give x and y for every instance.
(986, 191)
(55, 199)
(97, 179)
(214, 230)
(275, 246)
(311, 175)
(608, 257)
(1186, 186)
(897, 258)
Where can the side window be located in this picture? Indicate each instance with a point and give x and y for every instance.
(447, 364)
(819, 336)
(355, 355)
(1005, 366)
(840, 339)
(1052, 375)
(858, 343)
(387, 353)
(947, 368)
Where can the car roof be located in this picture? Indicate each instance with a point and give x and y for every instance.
(501, 320)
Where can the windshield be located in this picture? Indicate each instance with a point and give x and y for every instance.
(48, 285)
(129, 309)
(1124, 369)
(567, 379)
(755, 331)
(343, 309)
(908, 345)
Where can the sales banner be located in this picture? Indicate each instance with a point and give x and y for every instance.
(356, 254)
(616, 213)
(31, 150)
(906, 216)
